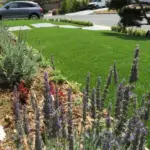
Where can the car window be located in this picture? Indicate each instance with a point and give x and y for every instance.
(25, 5)
(13, 5)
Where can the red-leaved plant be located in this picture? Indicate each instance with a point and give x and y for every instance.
(61, 95)
(23, 92)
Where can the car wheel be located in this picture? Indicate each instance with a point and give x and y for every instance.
(34, 16)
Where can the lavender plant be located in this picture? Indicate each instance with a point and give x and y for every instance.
(124, 112)
(87, 87)
(142, 140)
(38, 139)
(16, 104)
(48, 107)
(84, 108)
(119, 99)
(70, 124)
(93, 104)
(104, 95)
(115, 74)
(134, 71)
(25, 120)
(63, 123)
(98, 96)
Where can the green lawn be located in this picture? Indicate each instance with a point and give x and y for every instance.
(77, 52)
(23, 22)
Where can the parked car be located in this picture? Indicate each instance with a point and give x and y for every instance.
(21, 9)
(97, 4)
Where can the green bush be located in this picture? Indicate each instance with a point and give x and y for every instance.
(116, 28)
(73, 6)
(129, 31)
(18, 60)
(83, 23)
(65, 8)
(78, 5)
(137, 32)
(57, 76)
(55, 12)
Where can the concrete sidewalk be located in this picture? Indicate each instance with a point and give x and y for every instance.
(50, 25)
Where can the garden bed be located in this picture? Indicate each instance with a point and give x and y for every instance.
(37, 104)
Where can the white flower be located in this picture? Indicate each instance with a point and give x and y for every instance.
(2, 133)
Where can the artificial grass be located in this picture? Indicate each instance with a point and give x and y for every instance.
(12, 23)
(77, 52)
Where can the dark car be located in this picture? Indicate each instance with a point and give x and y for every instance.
(21, 9)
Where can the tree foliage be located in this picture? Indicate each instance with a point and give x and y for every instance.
(131, 12)
(118, 4)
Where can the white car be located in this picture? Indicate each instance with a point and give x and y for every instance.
(97, 4)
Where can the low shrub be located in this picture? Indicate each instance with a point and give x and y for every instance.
(74, 86)
(129, 31)
(65, 8)
(18, 60)
(57, 76)
(73, 6)
(55, 12)
(83, 23)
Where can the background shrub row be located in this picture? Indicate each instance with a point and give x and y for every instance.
(82, 23)
(129, 31)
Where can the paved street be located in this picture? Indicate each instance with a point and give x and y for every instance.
(102, 19)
